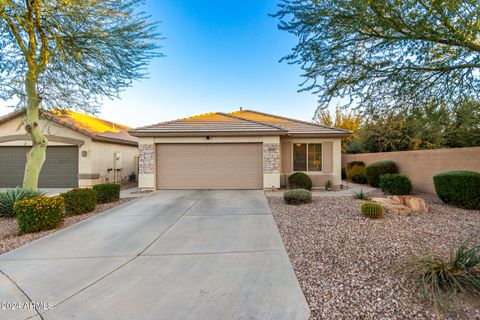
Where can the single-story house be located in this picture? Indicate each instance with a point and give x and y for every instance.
(239, 150)
(82, 150)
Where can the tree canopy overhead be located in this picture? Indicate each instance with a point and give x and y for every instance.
(79, 50)
(386, 54)
(68, 54)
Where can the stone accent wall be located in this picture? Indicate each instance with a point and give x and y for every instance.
(146, 158)
(271, 158)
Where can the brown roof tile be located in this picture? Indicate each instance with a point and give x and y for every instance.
(294, 127)
(238, 123)
(209, 123)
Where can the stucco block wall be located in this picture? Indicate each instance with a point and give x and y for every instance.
(331, 161)
(420, 166)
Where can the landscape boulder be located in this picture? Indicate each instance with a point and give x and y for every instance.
(415, 204)
(392, 206)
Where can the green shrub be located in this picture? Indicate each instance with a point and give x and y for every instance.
(376, 169)
(297, 196)
(396, 184)
(438, 275)
(357, 174)
(355, 163)
(459, 188)
(107, 192)
(371, 210)
(344, 173)
(300, 180)
(361, 195)
(10, 196)
(78, 201)
(328, 185)
(39, 213)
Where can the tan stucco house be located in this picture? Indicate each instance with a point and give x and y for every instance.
(82, 150)
(238, 150)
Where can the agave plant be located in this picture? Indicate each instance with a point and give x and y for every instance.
(361, 195)
(439, 277)
(10, 196)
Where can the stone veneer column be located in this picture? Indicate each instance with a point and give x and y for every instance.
(146, 166)
(271, 165)
(146, 158)
(271, 158)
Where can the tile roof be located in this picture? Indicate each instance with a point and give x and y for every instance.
(97, 129)
(238, 123)
(209, 123)
(294, 127)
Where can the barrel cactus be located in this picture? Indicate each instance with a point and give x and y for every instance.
(371, 210)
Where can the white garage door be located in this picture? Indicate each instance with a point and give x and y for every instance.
(210, 166)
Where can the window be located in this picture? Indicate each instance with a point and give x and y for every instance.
(307, 157)
(299, 157)
(315, 157)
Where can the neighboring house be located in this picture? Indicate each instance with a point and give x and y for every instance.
(82, 150)
(239, 150)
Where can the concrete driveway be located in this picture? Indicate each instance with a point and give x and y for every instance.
(169, 255)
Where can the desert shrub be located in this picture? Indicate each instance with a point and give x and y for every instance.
(371, 210)
(39, 213)
(459, 188)
(107, 192)
(344, 173)
(357, 174)
(300, 180)
(329, 185)
(78, 201)
(376, 169)
(438, 275)
(360, 195)
(355, 163)
(10, 196)
(297, 196)
(396, 184)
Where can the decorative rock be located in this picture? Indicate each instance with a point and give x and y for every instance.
(415, 204)
(392, 206)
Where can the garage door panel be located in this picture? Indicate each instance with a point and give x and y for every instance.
(209, 166)
(59, 170)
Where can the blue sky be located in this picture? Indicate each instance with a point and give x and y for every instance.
(220, 55)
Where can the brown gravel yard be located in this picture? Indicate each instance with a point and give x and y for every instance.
(10, 239)
(348, 265)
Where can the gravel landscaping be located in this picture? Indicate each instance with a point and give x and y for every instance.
(349, 267)
(10, 239)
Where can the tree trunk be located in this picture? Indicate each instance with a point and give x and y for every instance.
(37, 154)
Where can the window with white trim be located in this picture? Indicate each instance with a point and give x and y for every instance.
(307, 157)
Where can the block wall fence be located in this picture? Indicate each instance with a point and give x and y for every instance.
(420, 166)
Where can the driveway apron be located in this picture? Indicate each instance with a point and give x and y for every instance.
(175, 254)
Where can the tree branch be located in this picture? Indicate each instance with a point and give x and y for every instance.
(14, 30)
(44, 52)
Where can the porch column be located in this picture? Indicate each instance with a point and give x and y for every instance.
(271, 162)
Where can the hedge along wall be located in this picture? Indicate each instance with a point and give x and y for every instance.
(420, 166)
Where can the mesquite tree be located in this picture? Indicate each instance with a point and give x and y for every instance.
(385, 55)
(69, 54)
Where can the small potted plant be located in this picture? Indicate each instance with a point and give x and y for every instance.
(329, 185)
